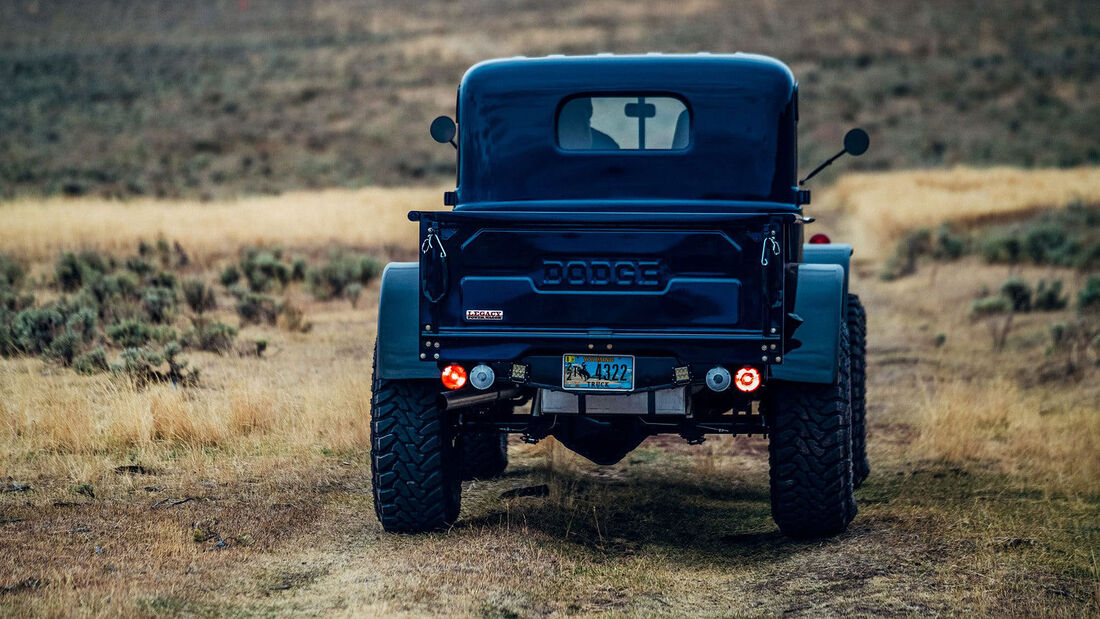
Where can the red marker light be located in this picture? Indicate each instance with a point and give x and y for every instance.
(819, 239)
(747, 379)
(454, 376)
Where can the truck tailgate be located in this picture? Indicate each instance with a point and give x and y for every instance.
(540, 273)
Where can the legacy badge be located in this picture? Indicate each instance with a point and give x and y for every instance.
(480, 314)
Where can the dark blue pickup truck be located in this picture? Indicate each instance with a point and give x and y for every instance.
(625, 257)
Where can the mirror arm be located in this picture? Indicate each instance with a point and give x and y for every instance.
(821, 167)
(453, 143)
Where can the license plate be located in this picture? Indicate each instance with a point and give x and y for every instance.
(597, 372)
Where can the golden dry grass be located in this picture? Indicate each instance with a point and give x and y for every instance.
(310, 391)
(372, 217)
(983, 496)
(885, 205)
(997, 421)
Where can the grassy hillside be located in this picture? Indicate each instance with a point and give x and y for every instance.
(885, 206)
(219, 97)
(249, 493)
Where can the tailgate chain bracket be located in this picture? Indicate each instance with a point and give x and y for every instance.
(773, 244)
(426, 249)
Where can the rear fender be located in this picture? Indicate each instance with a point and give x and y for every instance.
(398, 331)
(819, 301)
(830, 253)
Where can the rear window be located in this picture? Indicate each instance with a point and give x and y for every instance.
(624, 123)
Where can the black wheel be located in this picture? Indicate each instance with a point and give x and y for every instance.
(484, 454)
(810, 454)
(857, 334)
(414, 457)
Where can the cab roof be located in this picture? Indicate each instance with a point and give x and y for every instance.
(742, 110)
(768, 76)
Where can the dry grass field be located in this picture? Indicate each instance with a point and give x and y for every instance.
(38, 229)
(249, 494)
(883, 206)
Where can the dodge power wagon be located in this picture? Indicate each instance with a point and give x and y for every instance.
(625, 257)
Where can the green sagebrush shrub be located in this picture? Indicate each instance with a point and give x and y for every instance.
(1088, 299)
(990, 306)
(198, 295)
(64, 348)
(159, 303)
(352, 292)
(134, 333)
(145, 366)
(1049, 297)
(72, 270)
(342, 269)
(15, 300)
(92, 362)
(230, 275)
(256, 308)
(298, 268)
(1018, 292)
(943, 245)
(56, 331)
(213, 337)
(12, 272)
(265, 270)
(83, 323)
(34, 329)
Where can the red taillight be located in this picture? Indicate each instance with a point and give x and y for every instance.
(454, 376)
(819, 239)
(747, 379)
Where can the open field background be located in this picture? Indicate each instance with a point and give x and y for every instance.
(249, 493)
(210, 98)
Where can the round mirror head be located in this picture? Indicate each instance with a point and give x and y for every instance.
(443, 129)
(856, 142)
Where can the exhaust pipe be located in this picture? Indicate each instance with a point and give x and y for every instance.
(454, 399)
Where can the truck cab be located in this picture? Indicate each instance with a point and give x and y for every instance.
(623, 257)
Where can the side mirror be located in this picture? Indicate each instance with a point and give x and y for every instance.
(856, 142)
(443, 130)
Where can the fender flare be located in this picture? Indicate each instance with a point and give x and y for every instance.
(398, 335)
(820, 302)
(830, 253)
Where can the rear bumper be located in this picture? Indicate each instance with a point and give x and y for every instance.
(651, 373)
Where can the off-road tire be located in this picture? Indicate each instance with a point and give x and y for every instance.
(484, 454)
(857, 338)
(414, 458)
(810, 453)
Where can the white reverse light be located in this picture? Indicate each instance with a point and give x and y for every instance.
(482, 376)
